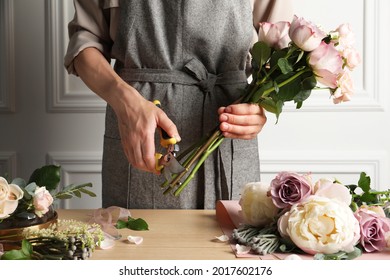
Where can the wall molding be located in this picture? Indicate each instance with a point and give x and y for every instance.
(320, 163)
(7, 57)
(73, 163)
(8, 164)
(60, 98)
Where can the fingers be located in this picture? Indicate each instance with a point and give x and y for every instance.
(241, 121)
(170, 128)
(138, 134)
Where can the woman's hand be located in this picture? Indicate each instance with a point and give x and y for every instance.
(138, 120)
(137, 117)
(241, 121)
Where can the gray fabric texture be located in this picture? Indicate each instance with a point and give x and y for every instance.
(191, 56)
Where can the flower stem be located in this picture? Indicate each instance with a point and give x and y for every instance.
(209, 150)
(195, 157)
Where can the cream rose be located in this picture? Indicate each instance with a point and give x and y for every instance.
(42, 200)
(321, 225)
(10, 194)
(257, 207)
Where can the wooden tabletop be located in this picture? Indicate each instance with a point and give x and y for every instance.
(172, 235)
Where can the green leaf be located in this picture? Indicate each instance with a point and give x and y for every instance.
(301, 96)
(309, 83)
(364, 182)
(48, 176)
(22, 254)
(284, 65)
(269, 105)
(27, 248)
(90, 193)
(121, 224)
(369, 198)
(63, 196)
(340, 255)
(20, 182)
(134, 224)
(137, 224)
(260, 53)
(258, 95)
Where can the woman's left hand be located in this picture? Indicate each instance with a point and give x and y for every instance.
(241, 121)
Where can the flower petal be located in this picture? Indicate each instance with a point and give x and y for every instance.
(241, 249)
(135, 239)
(107, 243)
(293, 257)
(223, 238)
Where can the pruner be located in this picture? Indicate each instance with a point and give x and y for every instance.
(167, 163)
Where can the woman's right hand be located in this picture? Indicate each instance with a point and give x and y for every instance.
(137, 117)
(138, 120)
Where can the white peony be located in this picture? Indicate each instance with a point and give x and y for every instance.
(321, 225)
(257, 208)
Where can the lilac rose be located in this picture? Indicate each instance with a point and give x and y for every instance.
(374, 229)
(289, 188)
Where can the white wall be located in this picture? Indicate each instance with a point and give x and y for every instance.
(47, 116)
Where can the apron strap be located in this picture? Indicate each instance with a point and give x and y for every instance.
(194, 73)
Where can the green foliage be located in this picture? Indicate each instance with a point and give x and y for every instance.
(48, 176)
(340, 255)
(134, 224)
(24, 253)
(74, 190)
(363, 194)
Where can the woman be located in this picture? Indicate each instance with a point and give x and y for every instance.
(190, 55)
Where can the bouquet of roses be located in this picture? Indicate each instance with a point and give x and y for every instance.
(288, 62)
(326, 219)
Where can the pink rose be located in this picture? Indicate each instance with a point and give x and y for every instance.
(42, 200)
(345, 88)
(275, 35)
(327, 64)
(373, 230)
(352, 57)
(305, 34)
(289, 188)
(328, 188)
(346, 38)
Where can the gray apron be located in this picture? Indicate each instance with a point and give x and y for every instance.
(191, 55)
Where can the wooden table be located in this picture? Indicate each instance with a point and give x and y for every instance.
(172, 235)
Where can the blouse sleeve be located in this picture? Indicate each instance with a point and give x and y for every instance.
(90, 27)
(271, 11)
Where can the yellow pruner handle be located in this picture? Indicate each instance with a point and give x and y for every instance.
(157, 156)
(165, 139)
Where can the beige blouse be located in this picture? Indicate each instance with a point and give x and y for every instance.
(95, 24)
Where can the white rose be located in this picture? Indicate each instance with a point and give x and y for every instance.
(257, 208)
(10, 194)
(323, 225)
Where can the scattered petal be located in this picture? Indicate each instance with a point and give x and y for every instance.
(107, 243)
(241, 249)
(223, 238)
(135, 239)
(293, 257)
